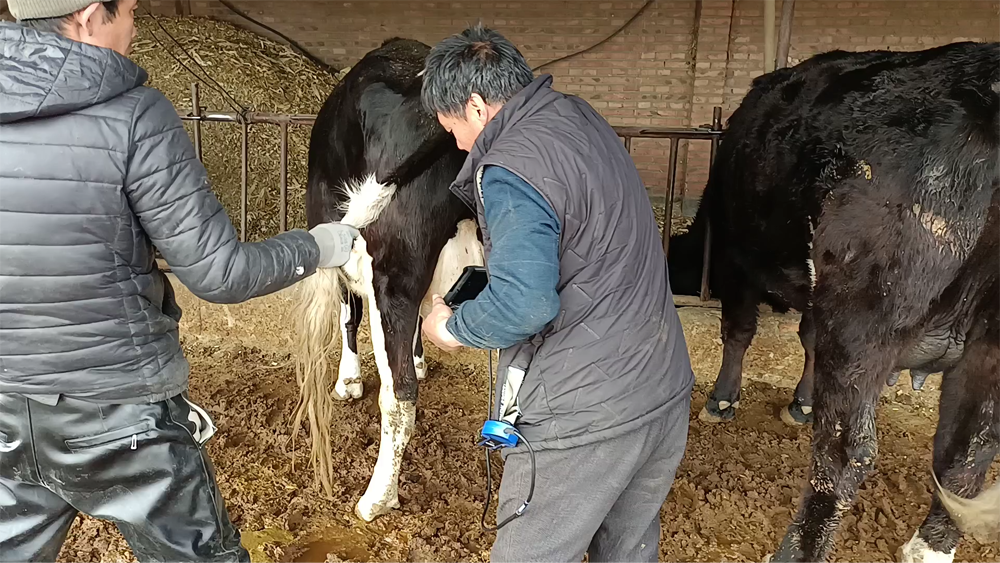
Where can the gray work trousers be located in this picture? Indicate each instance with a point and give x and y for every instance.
(603, 498)
(141, 466)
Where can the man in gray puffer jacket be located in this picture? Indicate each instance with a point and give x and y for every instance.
(96, 169)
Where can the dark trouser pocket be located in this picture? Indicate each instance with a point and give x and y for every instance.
(130, 433)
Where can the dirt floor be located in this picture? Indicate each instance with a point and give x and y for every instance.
(733, 497)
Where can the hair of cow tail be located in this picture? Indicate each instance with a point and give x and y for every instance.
(316, 318)
(978, 517)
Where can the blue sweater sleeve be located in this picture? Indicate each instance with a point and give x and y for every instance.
(521, 297)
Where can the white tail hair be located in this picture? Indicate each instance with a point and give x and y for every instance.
(365, 201)
(317, 329)
(978, 517)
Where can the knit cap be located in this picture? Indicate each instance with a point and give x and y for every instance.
(37, 9)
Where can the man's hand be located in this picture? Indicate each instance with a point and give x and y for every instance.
(435, 329)
(335, 241)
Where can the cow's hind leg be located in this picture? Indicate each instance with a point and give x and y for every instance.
(966, 442)
(799, 411)
(393, 318)
(349, 384)
(851, 364)
(418, 353)
(739, 325)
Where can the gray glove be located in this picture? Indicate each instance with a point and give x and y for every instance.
(335, 241)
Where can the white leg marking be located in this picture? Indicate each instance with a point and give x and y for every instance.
(418, 361)
(917, 551)
(461, 250)
(366, 199)
(349, 384)
(398, 420)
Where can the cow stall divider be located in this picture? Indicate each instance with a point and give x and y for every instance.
(198, 115)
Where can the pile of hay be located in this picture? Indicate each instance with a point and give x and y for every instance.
(260, 74)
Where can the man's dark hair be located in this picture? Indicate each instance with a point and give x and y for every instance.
(478, 60)
(58, 24)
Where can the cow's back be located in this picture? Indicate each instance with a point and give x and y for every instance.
(371, 122)
(911, 132)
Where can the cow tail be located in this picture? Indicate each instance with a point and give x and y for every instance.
(978, 517)
(317, 329)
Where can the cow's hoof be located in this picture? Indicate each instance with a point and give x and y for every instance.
(348, 389)
(718, 411)
(421, 368)
(368, 510)
(893, 379)
(796, 414)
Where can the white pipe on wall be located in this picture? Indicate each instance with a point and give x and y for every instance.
(768, 35)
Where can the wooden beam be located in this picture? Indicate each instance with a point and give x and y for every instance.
(695, 301)
(784, 33)
(768, 35)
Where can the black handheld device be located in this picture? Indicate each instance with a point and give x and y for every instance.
(470, 284)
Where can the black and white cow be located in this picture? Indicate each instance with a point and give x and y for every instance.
(761, 238)
(380, 162)
(886, 165)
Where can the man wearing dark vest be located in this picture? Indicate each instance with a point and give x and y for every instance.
(594, 370)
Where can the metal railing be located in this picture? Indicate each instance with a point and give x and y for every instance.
(199, 115)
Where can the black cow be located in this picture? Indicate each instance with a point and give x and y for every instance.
(380, 162)
(887, 165)
(773, 265)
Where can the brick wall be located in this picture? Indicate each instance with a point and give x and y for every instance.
(670, 67)
(822, 25)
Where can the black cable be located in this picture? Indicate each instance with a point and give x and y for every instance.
(531, 488)
(291, 42)
(602, 41)
(489, 415)
(489, 495)
(240, 109)
(489, 479)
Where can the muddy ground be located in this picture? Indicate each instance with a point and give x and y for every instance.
(734, 494)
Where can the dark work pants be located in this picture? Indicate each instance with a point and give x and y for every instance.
(141, 466)
(602, 498)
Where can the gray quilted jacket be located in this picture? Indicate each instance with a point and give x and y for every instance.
(96, 169)
(615, 356)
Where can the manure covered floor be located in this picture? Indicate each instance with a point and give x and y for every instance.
(734, 495)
